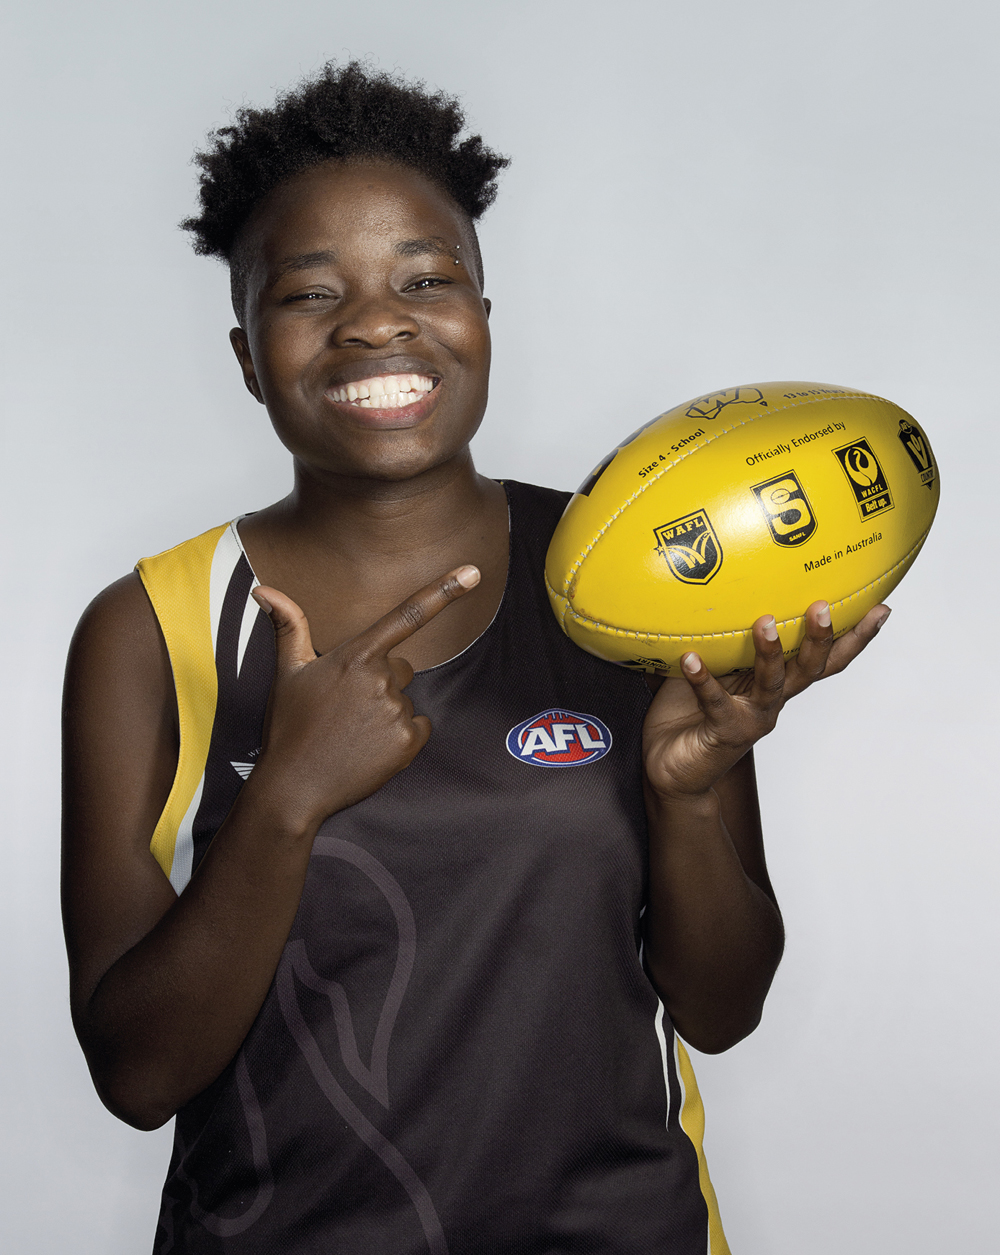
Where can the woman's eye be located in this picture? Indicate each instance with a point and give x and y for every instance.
(424, 285)
(307, 296)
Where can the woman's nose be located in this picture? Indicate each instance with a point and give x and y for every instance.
(374, 322)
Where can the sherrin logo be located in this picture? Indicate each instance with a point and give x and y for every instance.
(711, 406)
(559, 738)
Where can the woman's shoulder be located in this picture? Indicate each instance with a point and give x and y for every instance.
(119, 613)
(132, 617)
(188, 563)
(118, 671)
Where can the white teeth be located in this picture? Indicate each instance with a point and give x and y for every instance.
(386, 392)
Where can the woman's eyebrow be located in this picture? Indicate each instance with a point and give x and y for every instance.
(432, 244)
(304, 261)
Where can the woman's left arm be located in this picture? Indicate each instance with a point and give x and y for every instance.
(713, 932)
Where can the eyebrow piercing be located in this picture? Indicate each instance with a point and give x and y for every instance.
(457, 262)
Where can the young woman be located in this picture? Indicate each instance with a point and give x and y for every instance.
(403, 991)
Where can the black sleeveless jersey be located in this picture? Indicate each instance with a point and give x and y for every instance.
(460, 1053)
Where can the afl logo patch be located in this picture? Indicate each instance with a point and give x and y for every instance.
(559, 738)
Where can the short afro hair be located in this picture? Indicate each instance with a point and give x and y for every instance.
(345, 113)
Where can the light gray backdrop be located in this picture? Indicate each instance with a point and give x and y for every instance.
(702, 195)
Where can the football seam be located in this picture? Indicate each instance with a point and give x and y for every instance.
(708, 636)
(861, 396)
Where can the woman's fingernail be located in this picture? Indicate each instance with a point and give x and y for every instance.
(823, 616)
(261, 601)
(468, 576)
(691, 663)
(881, 623)
(770, 629)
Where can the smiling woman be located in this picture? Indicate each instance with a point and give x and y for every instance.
(362, 256)
(402, 991)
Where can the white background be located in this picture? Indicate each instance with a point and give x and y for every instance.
(703, 195)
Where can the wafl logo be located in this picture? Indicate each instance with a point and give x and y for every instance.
(559, 738)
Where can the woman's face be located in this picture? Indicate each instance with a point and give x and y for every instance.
(369, 346)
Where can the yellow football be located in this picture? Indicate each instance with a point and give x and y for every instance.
(749, 501)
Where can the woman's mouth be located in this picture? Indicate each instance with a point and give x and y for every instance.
(384, 392)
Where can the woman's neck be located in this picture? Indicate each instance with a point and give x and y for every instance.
(348, 551)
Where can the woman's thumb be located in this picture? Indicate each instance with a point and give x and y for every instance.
(291, 628)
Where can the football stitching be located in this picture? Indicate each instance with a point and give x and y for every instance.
(861, 396)
(708, 636)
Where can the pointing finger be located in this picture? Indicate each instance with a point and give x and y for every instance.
(410, 615)
(292, 640)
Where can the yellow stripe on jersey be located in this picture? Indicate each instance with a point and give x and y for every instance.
(178, 583)
(693, 1124)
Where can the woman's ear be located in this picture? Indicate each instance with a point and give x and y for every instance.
(241, 347)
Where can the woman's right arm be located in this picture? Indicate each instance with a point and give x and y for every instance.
(164, 988)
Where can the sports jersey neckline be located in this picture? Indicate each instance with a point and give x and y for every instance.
(506, 486)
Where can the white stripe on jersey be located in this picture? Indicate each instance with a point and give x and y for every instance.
(227, 553)
(250, 612)
(251, 609)
(661, 1036)
(180, 868)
